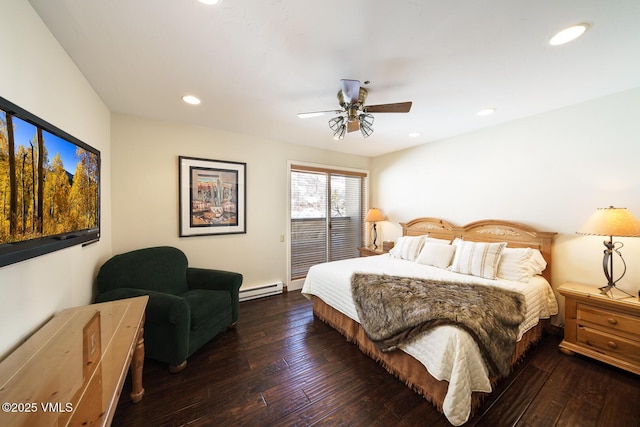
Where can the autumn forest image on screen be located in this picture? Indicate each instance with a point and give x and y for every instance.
(48, 185)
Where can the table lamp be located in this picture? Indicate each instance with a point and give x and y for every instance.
(611, 222)
(374, 215)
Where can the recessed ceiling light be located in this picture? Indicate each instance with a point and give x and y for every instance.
(209, 2)
(190, 99)
(414, 134)
(568, 34)
(486, 112)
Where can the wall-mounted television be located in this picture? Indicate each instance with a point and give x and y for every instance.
(49, 187)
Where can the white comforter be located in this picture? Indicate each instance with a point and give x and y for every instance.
(448, 352)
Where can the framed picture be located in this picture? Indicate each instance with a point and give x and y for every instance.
(212, 197)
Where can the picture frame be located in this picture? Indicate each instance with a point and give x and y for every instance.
(212, 196)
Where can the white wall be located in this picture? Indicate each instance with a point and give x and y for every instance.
(37, 75)
(145, 193)
(550, 171)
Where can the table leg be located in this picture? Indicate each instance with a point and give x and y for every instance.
(137, 363)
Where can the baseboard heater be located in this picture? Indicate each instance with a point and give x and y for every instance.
(260, 291)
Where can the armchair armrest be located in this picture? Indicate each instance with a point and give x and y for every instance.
(167, 320)
(160, 308)
(120, 293)
(218, 280)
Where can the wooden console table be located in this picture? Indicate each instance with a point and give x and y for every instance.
(71, 371)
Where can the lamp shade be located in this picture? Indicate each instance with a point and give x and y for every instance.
(374, 215)
(611, 222)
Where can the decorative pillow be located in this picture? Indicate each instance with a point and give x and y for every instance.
(408, 247)
(436, 254)
(520, 264)
(477, 258)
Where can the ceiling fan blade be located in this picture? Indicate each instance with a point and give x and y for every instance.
(350, 89)
(398, 107)
(310, 114)
(353, 126)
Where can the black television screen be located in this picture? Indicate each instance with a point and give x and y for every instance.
(49, 187)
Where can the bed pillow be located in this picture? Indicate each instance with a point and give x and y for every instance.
(477, 258)
(438, 241)
(407, 247)
(515, 264)
(520, 264)
(436, 254)
(538, 263)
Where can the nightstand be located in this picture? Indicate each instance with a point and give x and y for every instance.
(600, 327)
(370, 251)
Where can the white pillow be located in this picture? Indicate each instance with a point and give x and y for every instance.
(537, 262)
(436, 254)
(477, 258)
(520, 264)
(438, 241)
(514, 264)
(408, 247)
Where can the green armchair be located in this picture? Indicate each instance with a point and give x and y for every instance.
(187, 306)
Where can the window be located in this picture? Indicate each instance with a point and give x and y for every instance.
(327, 216)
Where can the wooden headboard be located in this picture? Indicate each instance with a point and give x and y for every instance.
(491, 230)
(434, 227)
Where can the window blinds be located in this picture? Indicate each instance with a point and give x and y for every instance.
(327, 216)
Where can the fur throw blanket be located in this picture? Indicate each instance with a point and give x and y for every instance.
(394, 310)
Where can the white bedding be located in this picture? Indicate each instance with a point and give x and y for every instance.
(448, 352)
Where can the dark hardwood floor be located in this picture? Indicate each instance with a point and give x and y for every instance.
(283, 367)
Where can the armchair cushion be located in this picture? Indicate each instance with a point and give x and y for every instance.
(208, 305)
(202, 278)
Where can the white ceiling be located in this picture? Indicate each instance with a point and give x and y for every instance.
(256, 63)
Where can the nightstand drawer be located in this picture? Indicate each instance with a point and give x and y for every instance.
(609, 344)
(607, 318)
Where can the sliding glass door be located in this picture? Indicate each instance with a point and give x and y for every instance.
(327, 216)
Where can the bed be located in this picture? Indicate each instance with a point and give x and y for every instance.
(444, 364)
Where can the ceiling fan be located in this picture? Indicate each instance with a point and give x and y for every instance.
(354, 114)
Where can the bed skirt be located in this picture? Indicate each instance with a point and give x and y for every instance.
(402, 365)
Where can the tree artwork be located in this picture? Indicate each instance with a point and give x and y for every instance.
(40, 195)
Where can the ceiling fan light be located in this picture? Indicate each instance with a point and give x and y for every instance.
(366, 131)
(366, 123)
(340, 132)
(366, 119)
(336, 122)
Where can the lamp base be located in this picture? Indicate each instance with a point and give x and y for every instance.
(375, 236)
(607, 266)
(608, 290)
